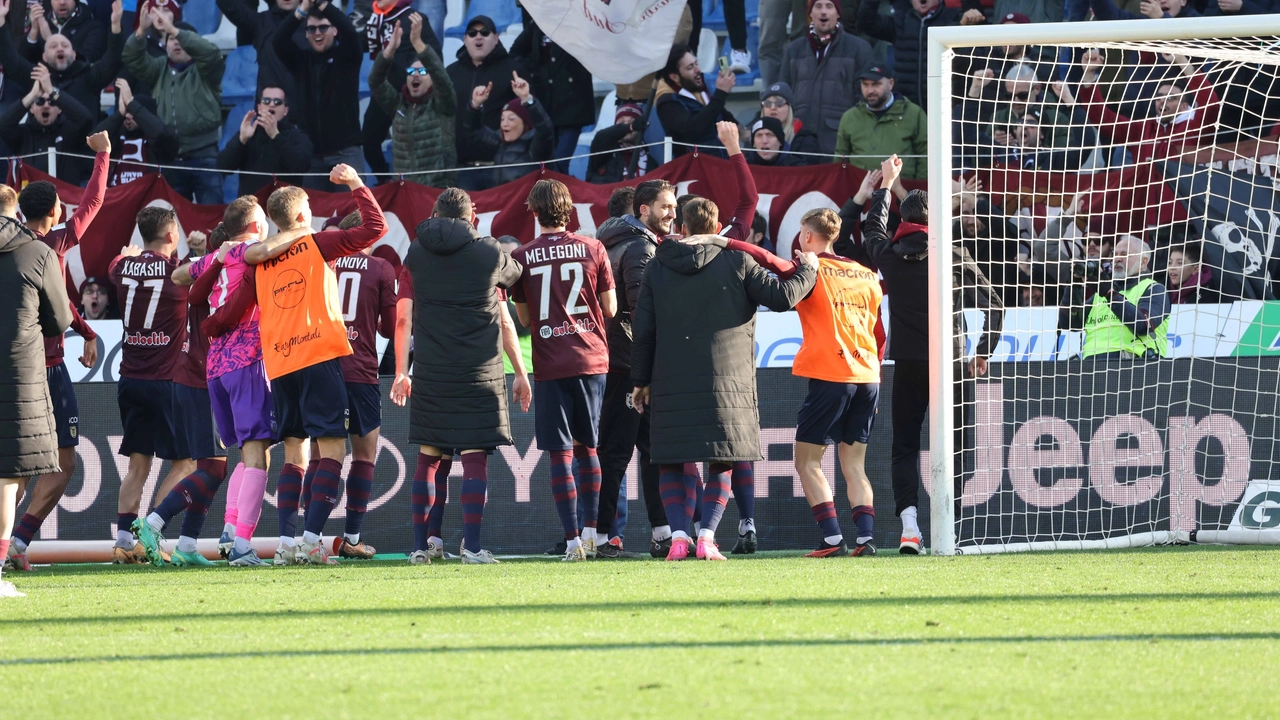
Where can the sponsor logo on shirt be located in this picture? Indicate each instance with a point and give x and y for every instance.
(585, 325)
(154, 339)
(352, 334)
(289, 289)
(286, 347)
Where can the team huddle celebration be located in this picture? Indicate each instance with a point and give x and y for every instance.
(253, 344)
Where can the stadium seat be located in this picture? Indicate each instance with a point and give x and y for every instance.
(504, 13)
(203, 15)
(240, 81)
(708, 51)
(713, 14)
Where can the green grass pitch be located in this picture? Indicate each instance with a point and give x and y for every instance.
(1160, 633)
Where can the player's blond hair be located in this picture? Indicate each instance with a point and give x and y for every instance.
(822, 221)
(8, 201)
(284, 205)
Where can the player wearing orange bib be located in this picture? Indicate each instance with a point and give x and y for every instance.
(840, 357)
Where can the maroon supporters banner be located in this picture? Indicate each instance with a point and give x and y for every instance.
(785, 195)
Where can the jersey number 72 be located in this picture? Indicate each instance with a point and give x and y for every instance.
(569, 272)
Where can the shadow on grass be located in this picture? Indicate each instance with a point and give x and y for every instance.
(850, 603)
(663, 646)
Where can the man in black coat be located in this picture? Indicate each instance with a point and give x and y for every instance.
(907, 28)
(903, 261)
(327, 75)
(70, 71)
(57, 120)
(561, 83)
(268, 142)
(482, 61)
(631, 241)
(461, 401)
(258, 29)
(693, 363)
(69, 18)
(34, 295)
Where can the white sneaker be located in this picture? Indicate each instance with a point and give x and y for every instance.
(484, 557)
(420, 557)
(435, 551)
(286, 555)
(314, 554)
(575, 554)
(7, 590)
(589, 547)
(740, 61)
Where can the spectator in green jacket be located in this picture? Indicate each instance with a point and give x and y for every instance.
(187, 86)
(884, 123)
(422, 112)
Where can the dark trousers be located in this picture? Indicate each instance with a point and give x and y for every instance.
(910, 411)
(376, 128)
(622, 430)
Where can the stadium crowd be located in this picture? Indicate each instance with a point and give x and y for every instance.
(841, 82)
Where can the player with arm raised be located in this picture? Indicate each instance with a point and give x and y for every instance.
(367, 296)
(194, 430)
(42, 209)
(564, 296)
(303, 337)
(460, 329)
(153, 309)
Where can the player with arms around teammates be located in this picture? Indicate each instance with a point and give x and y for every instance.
(565, 295)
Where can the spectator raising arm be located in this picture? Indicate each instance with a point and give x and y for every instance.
(106, 69)
(17, 69)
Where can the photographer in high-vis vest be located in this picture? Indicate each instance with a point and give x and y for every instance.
(1129, 317)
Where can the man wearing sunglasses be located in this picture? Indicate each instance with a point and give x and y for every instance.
(383, 18)
(57, 119)
(481, 61)
(268, 142)
(327, 76)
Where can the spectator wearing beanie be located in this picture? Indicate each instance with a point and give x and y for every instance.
(97, 299)
(688, 111)
(884, 123)
(778, 101)
(482, 62)
(268, 142)
(423, 110)
(68, 18)
(561, 83)
(327, 75)
(627, 130)
(139, 138)
(187, 86)
(524, 135)
(822, 70)
(907, 28)
(767, 139)
(1035, 11)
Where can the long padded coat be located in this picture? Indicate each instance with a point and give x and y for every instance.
(694, 329)
(459, 388)
(34, 297)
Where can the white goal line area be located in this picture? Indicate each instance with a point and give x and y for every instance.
(1092, 173)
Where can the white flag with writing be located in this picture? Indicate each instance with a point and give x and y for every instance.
(619, 41)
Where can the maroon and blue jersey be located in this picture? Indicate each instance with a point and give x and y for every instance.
(563, 277)
(154, 310)
(367, 297)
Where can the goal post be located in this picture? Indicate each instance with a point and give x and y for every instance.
(1098, 176)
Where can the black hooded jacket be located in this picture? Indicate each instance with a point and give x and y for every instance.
(459, 388)
(694, 325)
(630, 246)
(496, 68)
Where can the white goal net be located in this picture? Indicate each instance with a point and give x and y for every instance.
(1115, 185)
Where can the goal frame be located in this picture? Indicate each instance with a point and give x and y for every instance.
(941, 44)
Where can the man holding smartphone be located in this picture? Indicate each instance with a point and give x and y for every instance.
(688, 112)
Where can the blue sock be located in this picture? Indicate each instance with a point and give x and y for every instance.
(671, 487)
(359, 488)
(288, 490)
(475, 483)
(423, 496)
(744, 489)
(715, 496)
(564, 492)
(325, 490)
(203, 486)
(864, 516)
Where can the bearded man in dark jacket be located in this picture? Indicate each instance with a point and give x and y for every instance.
(457, 339)
(631, 241)
(693, 364)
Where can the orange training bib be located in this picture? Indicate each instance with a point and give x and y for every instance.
(839, 324)
(301, 319)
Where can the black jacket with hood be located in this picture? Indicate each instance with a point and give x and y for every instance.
(903, 262)
(459, 388)
(695, 324)
(34, 296)
(496, 68)
(630, 246)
